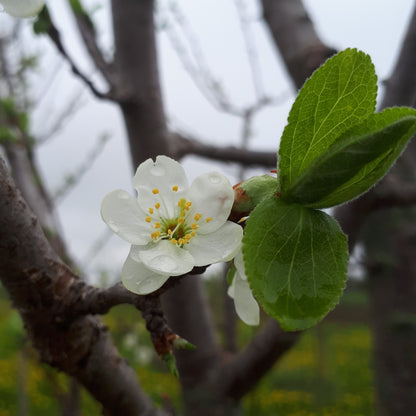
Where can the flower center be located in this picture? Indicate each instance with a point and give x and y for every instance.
(181, 228)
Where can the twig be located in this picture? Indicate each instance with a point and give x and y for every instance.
(185, 145)
(252, 56)
(55, 36)
(73, 179)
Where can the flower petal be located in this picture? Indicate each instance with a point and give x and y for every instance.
(212, 196)
(221, 245)
(164, 174)
(121, 213)
(246, 306)
(239, 265)
(137, 278)
(23, 8)
(165, 258)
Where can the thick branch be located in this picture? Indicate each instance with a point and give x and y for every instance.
(37, 282)
(138, 78)
(294, 34)
(240, 375)
(186, 145)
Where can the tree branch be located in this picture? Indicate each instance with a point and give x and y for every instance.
(187, 145)
(293, 32)
(240, 375)
(88, 35)
(38, 282)
(55, 37)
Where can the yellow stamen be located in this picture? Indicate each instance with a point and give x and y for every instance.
(170, 232)
(193, 234)
(150, 210)
(157, 224)
(175, 188)
(209, 219)
(187, 237)
(155, 191)
(197, 217)
(180, 220)
(157, 205)
(155, 235)
(148, 219)
(174, 241)
(194, 226)
(181, 241)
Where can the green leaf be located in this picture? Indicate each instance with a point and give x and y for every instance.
(340, 94)
(356, 161)
(296, 261)
(170, 361)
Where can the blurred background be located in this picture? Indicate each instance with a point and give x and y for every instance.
(216, 60)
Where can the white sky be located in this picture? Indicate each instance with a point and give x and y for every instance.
(374, 26)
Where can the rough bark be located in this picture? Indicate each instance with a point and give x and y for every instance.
(38, 284)
(138, 78)
(293, 32)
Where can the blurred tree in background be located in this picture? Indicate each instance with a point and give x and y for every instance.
(60, 310)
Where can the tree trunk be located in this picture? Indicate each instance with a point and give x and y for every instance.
(138, 78)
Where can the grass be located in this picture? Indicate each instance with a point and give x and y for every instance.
(328, 373)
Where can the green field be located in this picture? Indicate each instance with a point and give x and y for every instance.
(328, 373)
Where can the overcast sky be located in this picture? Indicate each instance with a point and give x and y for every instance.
(374, 26)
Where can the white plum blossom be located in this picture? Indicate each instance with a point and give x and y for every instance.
(22, 8)
(246, 306)
(172, 227)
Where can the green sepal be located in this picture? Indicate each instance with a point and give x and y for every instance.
(183, 344)
(170, 361)
(231, 273)
(252, 191)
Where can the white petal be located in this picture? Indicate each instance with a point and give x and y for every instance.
(246, 306)
(165, 258)
(212, 196)
(137, 278)
(23, 8)
(221, 245)
(239, 265)
(122, 214)
(163, 175)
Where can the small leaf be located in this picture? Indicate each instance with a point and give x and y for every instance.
(296, 261)
(182, 344)
(170, 361)
(340, 94)
(356, 161)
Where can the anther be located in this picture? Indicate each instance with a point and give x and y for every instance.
(155, 191)
(157, 205)
(197, 217)
(209, 219)
(175, 188)
(148, 219)
(150, 210)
